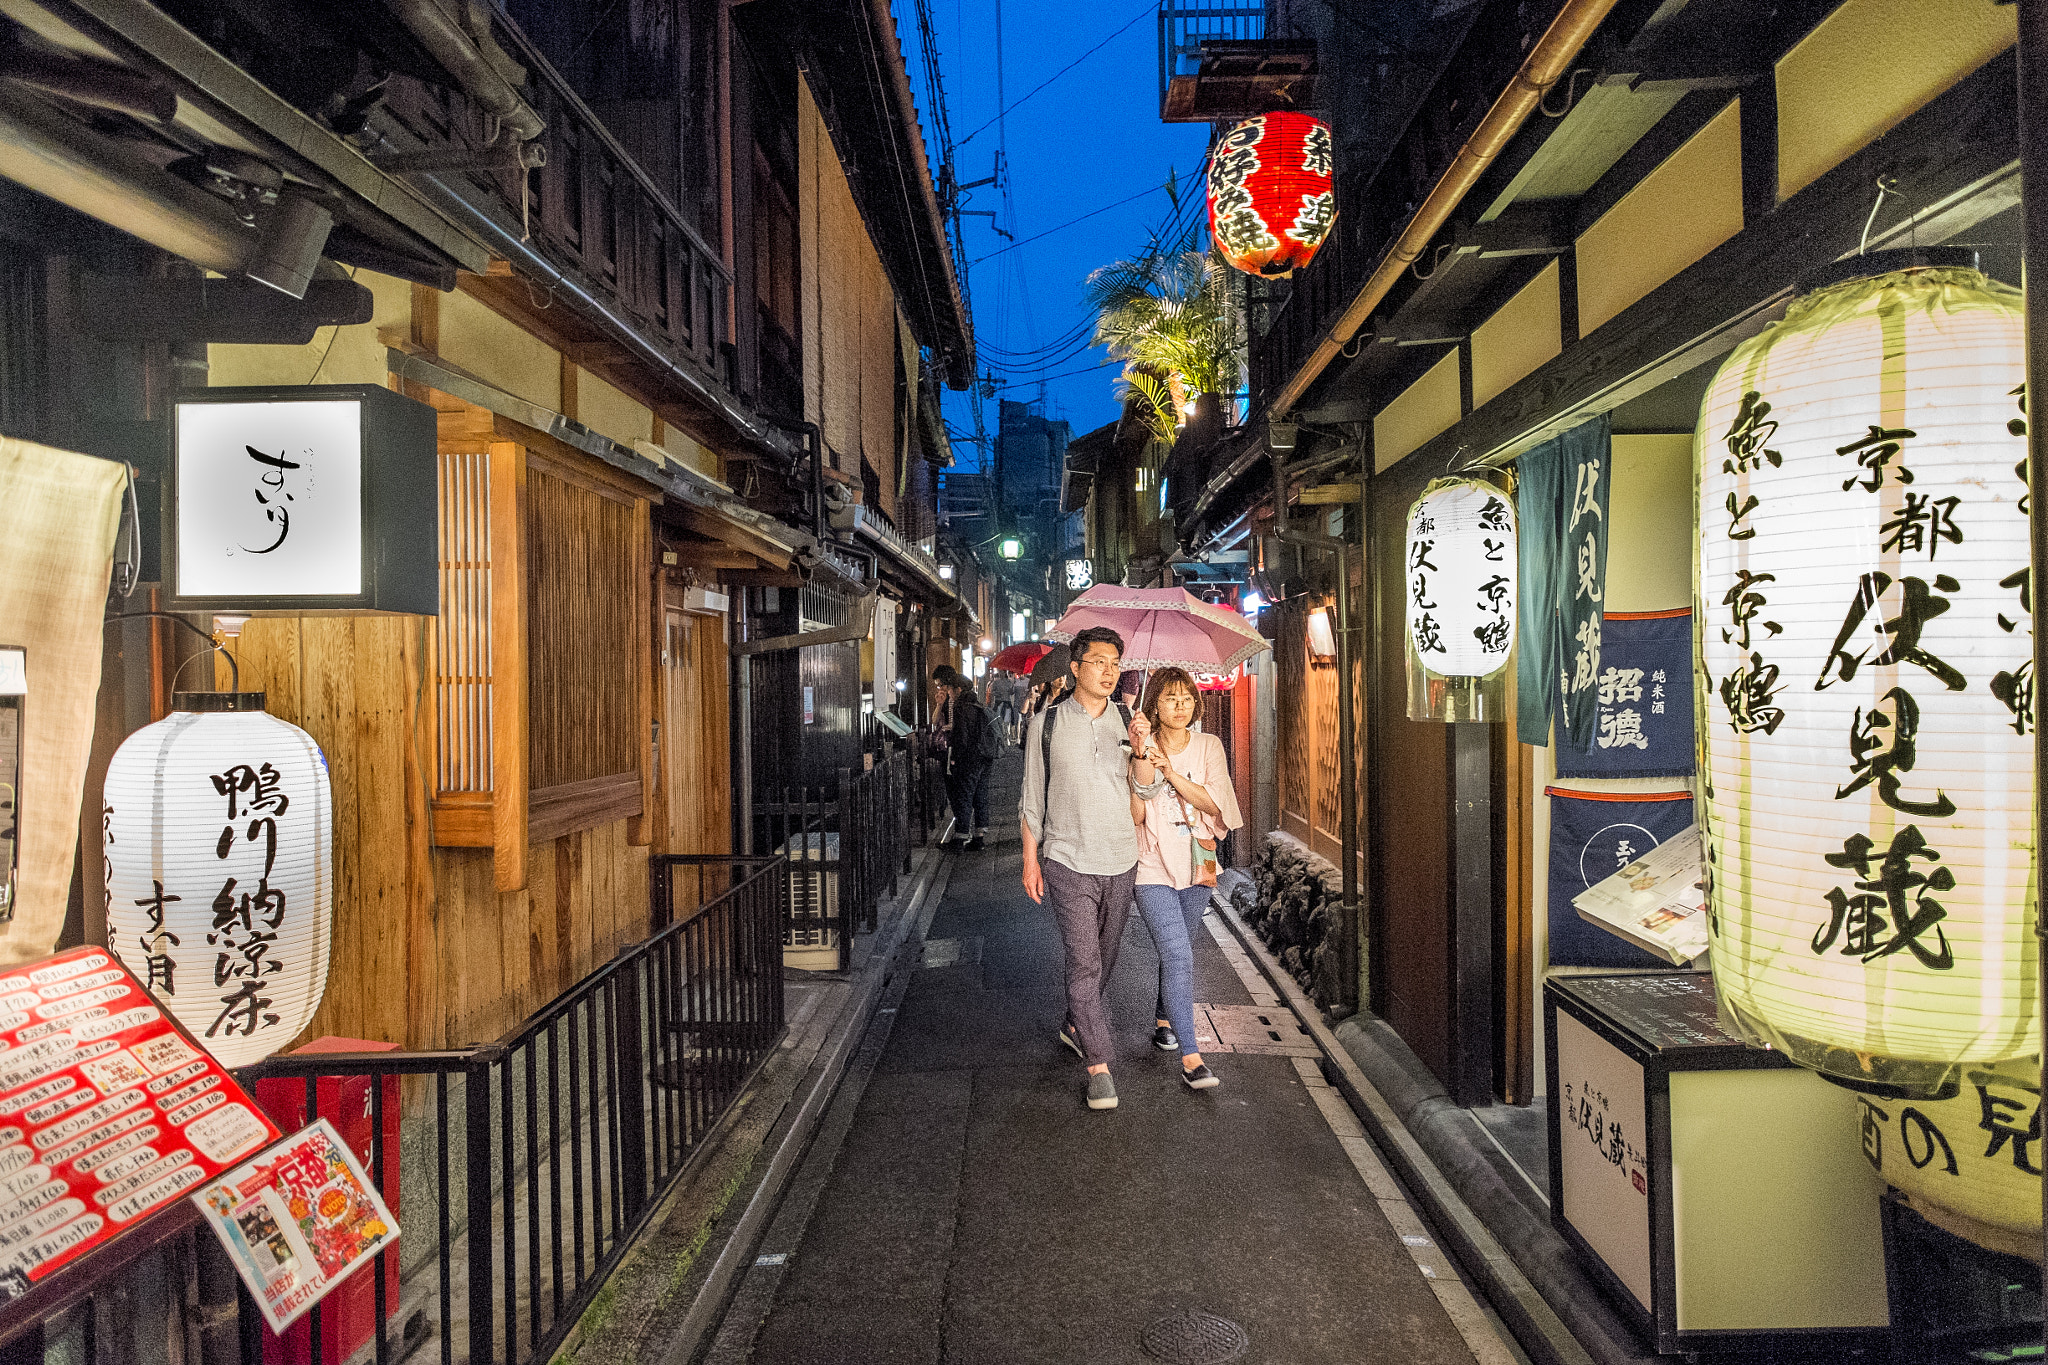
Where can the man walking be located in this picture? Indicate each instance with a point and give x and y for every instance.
(970, 753)
(1080, 845)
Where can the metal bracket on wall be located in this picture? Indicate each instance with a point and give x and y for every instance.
(863, 624)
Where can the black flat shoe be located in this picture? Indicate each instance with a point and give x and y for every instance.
(976, 844)
(1199, 1078)
(1165, 1039)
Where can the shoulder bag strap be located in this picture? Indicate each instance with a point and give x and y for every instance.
(1045, 763)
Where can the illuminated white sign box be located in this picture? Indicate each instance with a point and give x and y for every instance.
(317, 498)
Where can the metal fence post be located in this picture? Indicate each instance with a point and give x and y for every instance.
(476, 1170)
(850, 842)
(631, 1099)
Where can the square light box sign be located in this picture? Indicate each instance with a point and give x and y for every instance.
(302, 500)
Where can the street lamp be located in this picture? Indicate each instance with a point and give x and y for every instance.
(1011, 548)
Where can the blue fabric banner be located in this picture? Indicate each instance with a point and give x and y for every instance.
(1592, 837)
(1561, 510)
(1644, 713)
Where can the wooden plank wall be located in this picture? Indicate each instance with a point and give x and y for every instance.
(427, 953)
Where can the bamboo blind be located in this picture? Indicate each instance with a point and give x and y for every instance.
(462, 632)
(582, 671)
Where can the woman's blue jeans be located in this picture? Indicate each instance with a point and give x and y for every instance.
(1174, 917)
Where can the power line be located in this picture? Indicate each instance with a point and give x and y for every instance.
(1094, 213)
(1006, 108)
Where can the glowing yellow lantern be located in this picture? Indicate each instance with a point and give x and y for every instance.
(1972, 1163)
(1866, 688)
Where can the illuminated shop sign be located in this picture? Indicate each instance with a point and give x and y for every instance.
(306, 499)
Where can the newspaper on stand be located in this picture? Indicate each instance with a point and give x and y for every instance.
(1658, 902)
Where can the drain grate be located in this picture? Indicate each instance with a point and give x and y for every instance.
(1192, 1338)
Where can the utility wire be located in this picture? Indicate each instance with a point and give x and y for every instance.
(1094, 213)
(1143, 13)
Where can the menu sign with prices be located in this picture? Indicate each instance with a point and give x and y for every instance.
(108, 1112)
(297, 1221)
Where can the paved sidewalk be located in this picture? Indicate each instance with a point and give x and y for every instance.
(978, 1214)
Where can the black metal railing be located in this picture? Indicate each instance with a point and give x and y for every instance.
(528, 1165)
(846, 844)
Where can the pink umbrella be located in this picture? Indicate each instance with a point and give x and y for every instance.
(1163, 628)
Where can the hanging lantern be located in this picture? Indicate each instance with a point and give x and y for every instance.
(1970, 1164)
(1866, 684)
(1270, 202)
(1460, 570)
(219, 826)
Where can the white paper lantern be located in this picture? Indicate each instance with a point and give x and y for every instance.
(1460, 571)
(219, 830)
(1970, 1164)
(1866, 685)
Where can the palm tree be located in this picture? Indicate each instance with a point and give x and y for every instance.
(1173, 317)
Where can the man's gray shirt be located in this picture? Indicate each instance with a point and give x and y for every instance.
(1087, 824)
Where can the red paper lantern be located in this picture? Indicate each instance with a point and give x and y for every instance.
(1270, 202)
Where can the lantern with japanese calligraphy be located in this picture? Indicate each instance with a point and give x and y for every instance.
(1972, 1163)
(1459, 584)
(1270, 201)
(1866, 682)
(218, 832)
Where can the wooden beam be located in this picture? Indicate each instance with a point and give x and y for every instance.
(424, 329)
(726, 533)
(714, 557)
(1327, 495)
(509, 656)
(763, 578)
(642, 829)
(1957, 156)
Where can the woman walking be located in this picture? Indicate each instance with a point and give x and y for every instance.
(1175, 871)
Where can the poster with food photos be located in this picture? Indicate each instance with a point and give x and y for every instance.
(109, 1112)
(297, 1221)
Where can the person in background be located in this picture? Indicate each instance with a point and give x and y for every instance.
(1080, 845)
(1196, 802)
(970, 753)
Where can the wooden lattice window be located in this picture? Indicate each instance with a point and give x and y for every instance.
(589, 623)
(543, 690)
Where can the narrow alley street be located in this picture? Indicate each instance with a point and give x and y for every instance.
(977, 1212)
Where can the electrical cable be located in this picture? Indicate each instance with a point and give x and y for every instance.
(234, 668)
(1093, 213)
(1141, 14)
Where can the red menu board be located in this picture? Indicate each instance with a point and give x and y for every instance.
(108, 1112)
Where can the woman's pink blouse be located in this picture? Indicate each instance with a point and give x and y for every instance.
(1163, 840)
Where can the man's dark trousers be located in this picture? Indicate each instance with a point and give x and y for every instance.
(967, 788)
(1091, 911)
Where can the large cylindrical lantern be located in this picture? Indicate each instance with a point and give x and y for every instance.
(1866, 688)
(1458, 571)
(1270, 201)
(1970, 1163)
(218, 838)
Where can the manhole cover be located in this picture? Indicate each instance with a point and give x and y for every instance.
(1194, 1339)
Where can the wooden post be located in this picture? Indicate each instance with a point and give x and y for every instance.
(509, 739)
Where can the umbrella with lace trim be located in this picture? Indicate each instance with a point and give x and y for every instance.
(1163, 628)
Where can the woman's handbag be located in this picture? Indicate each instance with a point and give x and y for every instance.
(1201, 852)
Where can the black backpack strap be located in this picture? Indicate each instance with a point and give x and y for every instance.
(1052, 713)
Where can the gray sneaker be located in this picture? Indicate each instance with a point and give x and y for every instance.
(1101, 1091)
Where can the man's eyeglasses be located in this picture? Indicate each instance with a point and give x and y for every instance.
(1102, 663)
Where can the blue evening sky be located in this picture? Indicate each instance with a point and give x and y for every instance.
(1090, 138)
